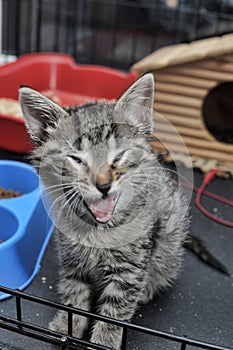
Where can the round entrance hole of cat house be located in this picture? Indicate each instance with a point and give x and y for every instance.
(218, 112)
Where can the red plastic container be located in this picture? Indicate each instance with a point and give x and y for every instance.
(73, 84)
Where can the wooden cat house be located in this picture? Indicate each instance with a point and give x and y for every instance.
(194, 92)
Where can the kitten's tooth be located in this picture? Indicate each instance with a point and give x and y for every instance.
(103, 209)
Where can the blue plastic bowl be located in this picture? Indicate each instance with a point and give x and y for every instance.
(25, 227)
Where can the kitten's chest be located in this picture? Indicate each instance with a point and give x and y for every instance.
(92, 265)
(96, 265)
(84, 263)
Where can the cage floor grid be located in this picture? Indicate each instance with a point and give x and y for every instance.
(19, 326)
(196, 312)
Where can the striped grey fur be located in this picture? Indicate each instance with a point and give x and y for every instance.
(92, 158)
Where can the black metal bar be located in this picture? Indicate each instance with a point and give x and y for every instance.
(67, 25)
(217, 25)
(153, 43)
(80, 28)
(94, 37)
(61, 306)
(43, 334)
(63, 343)
(28, 26)
(114, 36)
(133, 51)
(75, 30)
(183, 346)
(124, 339)
(39, 21)
(18, 308)
(196, 16)
(70, 26)
(57, 25)
(8, 28)
(17, 25)
(70, 323)
(177, 18)
(35, 335)
(87, 25)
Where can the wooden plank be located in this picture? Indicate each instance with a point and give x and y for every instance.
(179, 89)
(172, 77)
(227, 58)
(181, 120)
(178, 100)
(204, 73)
(184, 126)
(182, 131)
(197, 142)
(163, 107)
(216, 64)
(200, 152)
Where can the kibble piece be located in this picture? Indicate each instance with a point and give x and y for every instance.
(4, 194)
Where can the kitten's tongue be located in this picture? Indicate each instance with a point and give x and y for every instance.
(103, 208)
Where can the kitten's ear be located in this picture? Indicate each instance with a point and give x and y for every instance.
(137, 102)
(40, 113)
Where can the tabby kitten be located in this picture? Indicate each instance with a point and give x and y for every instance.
(120, 222)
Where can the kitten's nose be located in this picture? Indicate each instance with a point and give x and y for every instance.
(104, 179)
(103, 188)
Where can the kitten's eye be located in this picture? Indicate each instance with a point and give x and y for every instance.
(117, 158)
(78, 160)
(132, 165)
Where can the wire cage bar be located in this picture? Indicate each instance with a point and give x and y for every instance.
(67, 341)
(109, 32)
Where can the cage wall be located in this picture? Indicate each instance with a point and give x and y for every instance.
(109, 32)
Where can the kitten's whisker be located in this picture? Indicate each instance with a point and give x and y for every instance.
(70, 211)
(67, 205)
(58, 186)
(61, 184)
(63, 189)
(168, 170)
(59, 198)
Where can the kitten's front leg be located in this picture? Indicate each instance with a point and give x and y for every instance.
(77, 294)
(118, 300)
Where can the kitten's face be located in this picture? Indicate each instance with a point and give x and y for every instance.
(106, 173)
(97, 154)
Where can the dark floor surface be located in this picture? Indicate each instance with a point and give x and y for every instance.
(199, 305)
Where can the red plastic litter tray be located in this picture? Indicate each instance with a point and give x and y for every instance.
(58, 76)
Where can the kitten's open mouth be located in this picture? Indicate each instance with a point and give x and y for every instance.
(102, 209)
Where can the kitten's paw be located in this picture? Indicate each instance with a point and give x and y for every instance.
(60, 324)
(147, 296)
(149, 293)
(107, 335)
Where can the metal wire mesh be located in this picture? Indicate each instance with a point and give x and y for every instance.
(110, 32)
(22, 326)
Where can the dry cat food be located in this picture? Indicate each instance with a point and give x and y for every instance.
(8, 106)
(11, 107)
(52, 96)
(8, 193)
